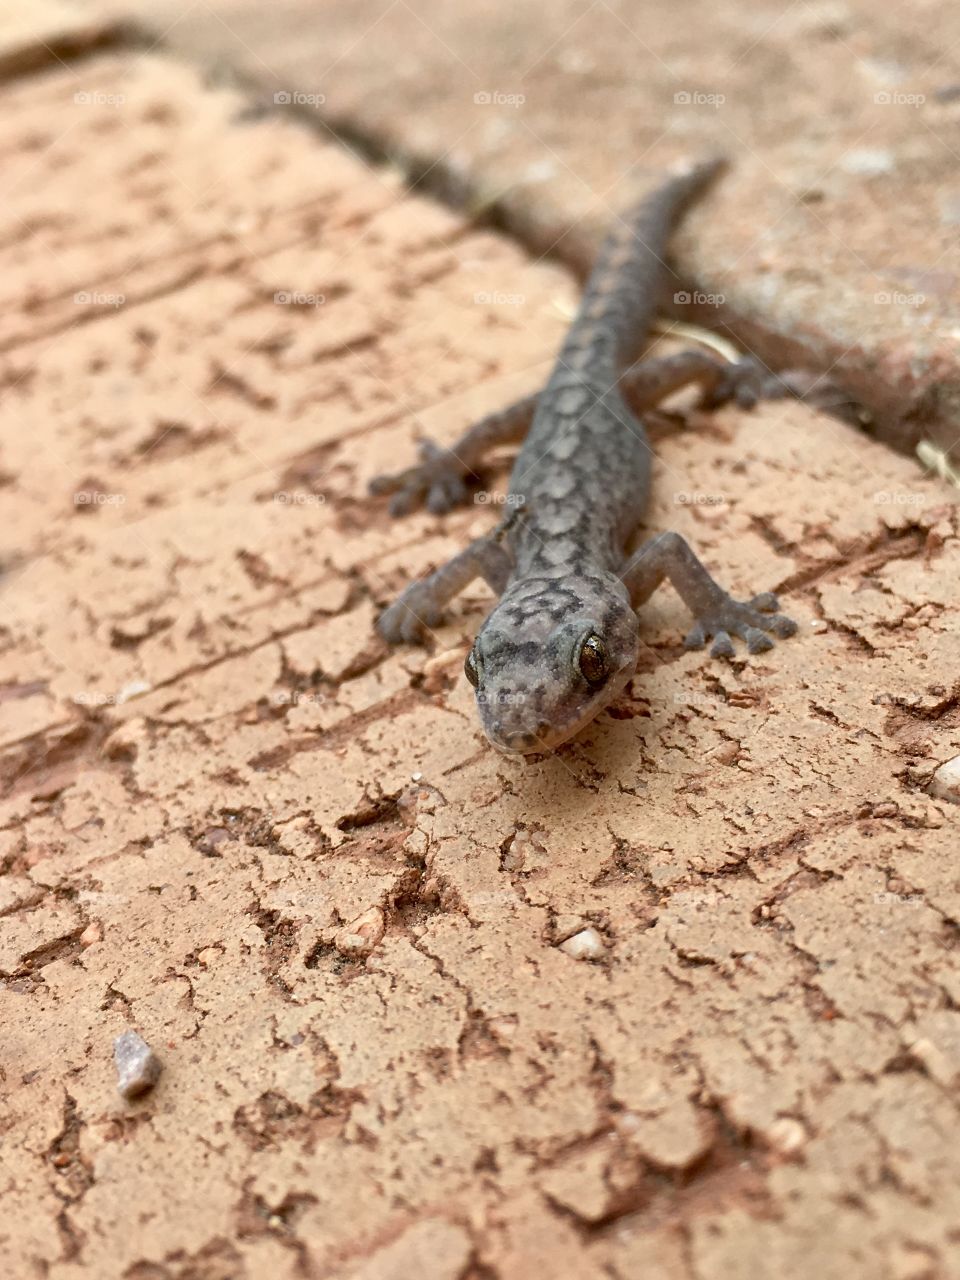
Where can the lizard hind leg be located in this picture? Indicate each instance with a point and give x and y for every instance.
(717, 614)
(421, 606)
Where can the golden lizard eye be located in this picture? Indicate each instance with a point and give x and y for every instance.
(470, 670)
(593, 660)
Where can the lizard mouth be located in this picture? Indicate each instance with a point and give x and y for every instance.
(544, 740)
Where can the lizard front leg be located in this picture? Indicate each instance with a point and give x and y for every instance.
(421, 606)
(438, 480)
(716, 613)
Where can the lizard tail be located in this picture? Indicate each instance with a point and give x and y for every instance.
(619, 303)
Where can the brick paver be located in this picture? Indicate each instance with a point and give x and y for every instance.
(215, 328)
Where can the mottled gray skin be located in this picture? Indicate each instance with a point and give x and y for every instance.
(578, 491)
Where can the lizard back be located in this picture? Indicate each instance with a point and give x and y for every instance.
(583, 472)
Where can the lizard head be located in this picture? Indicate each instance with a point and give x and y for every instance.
(553, 653)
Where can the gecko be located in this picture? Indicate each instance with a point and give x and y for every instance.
(562, 641)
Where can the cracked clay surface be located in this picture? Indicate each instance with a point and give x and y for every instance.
(680, 1002)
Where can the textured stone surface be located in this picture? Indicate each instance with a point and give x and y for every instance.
(214, 330)
(834, 242)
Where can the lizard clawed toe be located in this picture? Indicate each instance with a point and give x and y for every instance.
(436, 482)
(766, 602)
(722, 646)
(409, 618)
(746, 383)
(752, 622)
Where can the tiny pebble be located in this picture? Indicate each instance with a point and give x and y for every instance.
(727, 753)
(585, 945)
(937, 1063)
(945, 783)
(868, 162)
(138, 1067)
(360, 936)
(91, 934)
(786, 1135)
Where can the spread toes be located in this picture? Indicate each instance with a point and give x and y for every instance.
(409, 618)
(437, 482)
(755, 623)
(766, 602)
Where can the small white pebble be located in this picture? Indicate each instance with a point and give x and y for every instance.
(945, 783)
(585, 945)
(868, 162)
(133, 690)
(786, 1135)
(138, 1067)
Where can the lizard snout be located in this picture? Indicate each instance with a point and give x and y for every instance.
(522, 741)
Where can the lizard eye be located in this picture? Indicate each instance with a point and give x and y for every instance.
(593, 660)
(470, 670)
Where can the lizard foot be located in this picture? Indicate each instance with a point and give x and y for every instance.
(750, 621)
(746, 383)
(411, 616)
(438, 481)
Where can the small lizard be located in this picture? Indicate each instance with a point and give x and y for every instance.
(562, 641)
